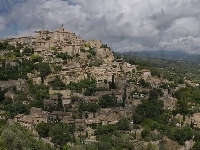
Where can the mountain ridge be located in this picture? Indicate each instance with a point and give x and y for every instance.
(164, 54)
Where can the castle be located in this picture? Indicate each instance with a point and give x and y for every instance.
(61, 39)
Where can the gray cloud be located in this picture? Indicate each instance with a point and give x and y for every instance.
(128, 25)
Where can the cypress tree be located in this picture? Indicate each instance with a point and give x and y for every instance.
(113, 82)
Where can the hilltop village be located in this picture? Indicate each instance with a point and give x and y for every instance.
(56, 76)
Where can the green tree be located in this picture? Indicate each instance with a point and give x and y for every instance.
(145, 133)
(88, 84)
(123, 124)
(2, 144)
(91, 107)
(103, 145)
(28, 51)
(57, 84)
(155, 94)
(148, 109)
(43, 129)
(182, 135)
(36, 58)
(44, 69)
(40, 93)
(113, 82)
(60, 134)
(182, 107)
(16, 137)
(196, 146)
(107, 129)
(144, 84)
(107, 101)
(181, 81)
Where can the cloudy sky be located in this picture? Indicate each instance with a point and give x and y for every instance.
(125, 25)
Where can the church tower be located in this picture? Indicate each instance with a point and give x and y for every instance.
(62, 28)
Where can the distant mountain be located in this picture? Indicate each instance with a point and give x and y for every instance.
(162, 54)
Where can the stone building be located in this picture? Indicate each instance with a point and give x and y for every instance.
(94, 43)
(30, 121)
(52, 102)
(61, 39)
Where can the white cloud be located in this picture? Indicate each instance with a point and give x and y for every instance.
(125, 25)
(188, 44)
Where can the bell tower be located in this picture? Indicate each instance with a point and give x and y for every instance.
(62, 28)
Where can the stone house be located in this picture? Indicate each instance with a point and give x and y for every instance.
(105, 54)
(56, 116)
(65, 93)
(39, 51)
(132, 102)
(128, 91)
(66, 102)
(79, 123)
(88, 115)
(195, 119)
(49, 103)
(27, 122)
(90, 99)
(59, 39)
(18, 117)
(102, 119)
(122, 112)
(94, 43)
(116, 67)
(155, 82)
(111, 121)
(54, 98)
(68, 120)
(39, 115)
(128, 68)
(92, 121)
(101, 93)
(53, 117)
(105, 120)
(105, 111)
(146, 74)
(42, 118)
(7, 84)
(121, 82)
(30, 121)
(52, 102)
(101, 82)
(119, 96)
